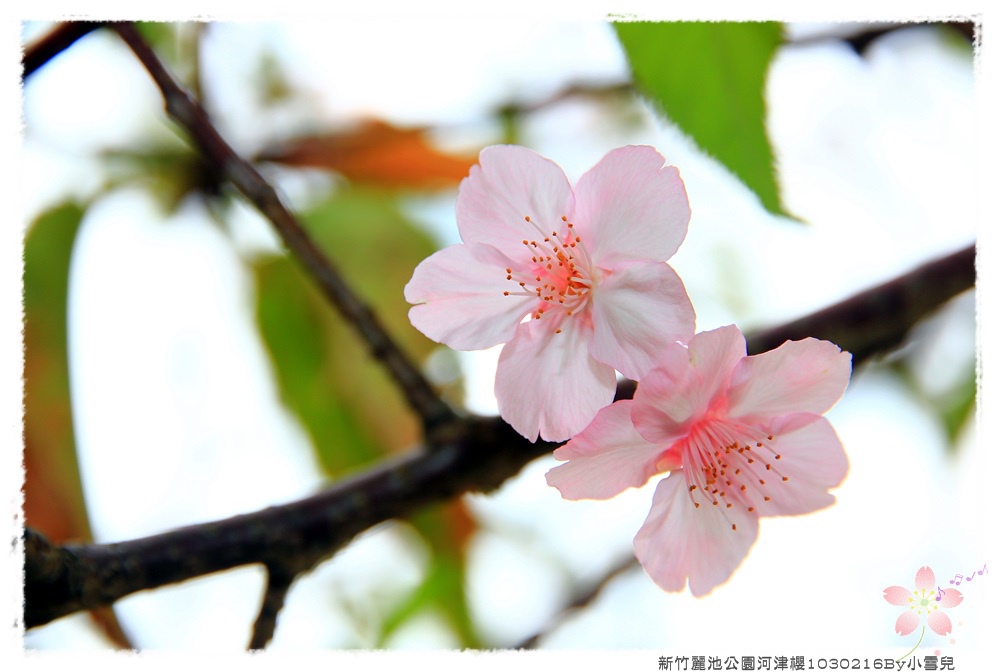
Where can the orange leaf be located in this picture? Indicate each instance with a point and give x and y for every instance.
(378, 153)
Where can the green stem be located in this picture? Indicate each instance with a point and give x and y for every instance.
(907, 654)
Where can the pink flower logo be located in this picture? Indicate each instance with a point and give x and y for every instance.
(741, 437)
(573, 281)
(922, 601)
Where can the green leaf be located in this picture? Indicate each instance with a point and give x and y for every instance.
(709, 79)
(169, 170)
(53, 491)
(349, 406)
(54, 500)
(160, 36)
(326, 376)
(958, 406)
(447, 529)
(953, 407)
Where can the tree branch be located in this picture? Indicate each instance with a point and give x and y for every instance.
(581, 601)
(190, 115)
(878, 319)
(476, 454)
(53, 43)
(279, 580)
(861, 39)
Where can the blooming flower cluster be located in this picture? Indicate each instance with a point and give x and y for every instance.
(574, 282)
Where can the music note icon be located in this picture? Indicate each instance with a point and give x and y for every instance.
(957, 576)
(939, 595)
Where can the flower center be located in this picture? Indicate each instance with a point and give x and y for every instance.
(921, 602)
(728, 465)
(558, 275)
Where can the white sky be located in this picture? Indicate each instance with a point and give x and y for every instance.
(887, 163)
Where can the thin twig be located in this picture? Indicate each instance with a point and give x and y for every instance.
(861, 39)
(279, 580)
(581, 601)
(478, 455)
(53, 43)
(190, 115)
(579, 90)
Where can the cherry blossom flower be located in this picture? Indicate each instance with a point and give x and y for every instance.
(923, 602)
(741, 437)
(573, 281)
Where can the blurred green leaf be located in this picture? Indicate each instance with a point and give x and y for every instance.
(350, 407)
(959, 406)
(447, 530)
(170, 171)
(54, 500)
(161, 36)
(53, 492)
(953, 407)
(709, 79)
(177, 44)
(345, 400)
(273, 84)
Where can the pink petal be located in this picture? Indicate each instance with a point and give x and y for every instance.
(798, 376)
(907, 622)
(939, 622)
(685, 383)
(509, 183)
(605, 458)
(925, 579)
(951, 598)
(638, 310)
(813, 460)
(548, 382)
(631, 205)
(460, 301)
(897, 595)
(679, 542)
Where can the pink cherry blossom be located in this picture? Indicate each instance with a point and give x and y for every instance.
(741, 437)
(923, 601)
(573, 281)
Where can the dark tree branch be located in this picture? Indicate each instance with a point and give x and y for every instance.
(192, 117)
(477, 454)
(60, 38)
(279, 580)
(479, 457)
(861, 39)
(878, 319)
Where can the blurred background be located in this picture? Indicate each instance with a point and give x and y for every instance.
(185, 370)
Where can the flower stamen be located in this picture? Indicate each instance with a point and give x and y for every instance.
(559, 271)
(719, 456)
